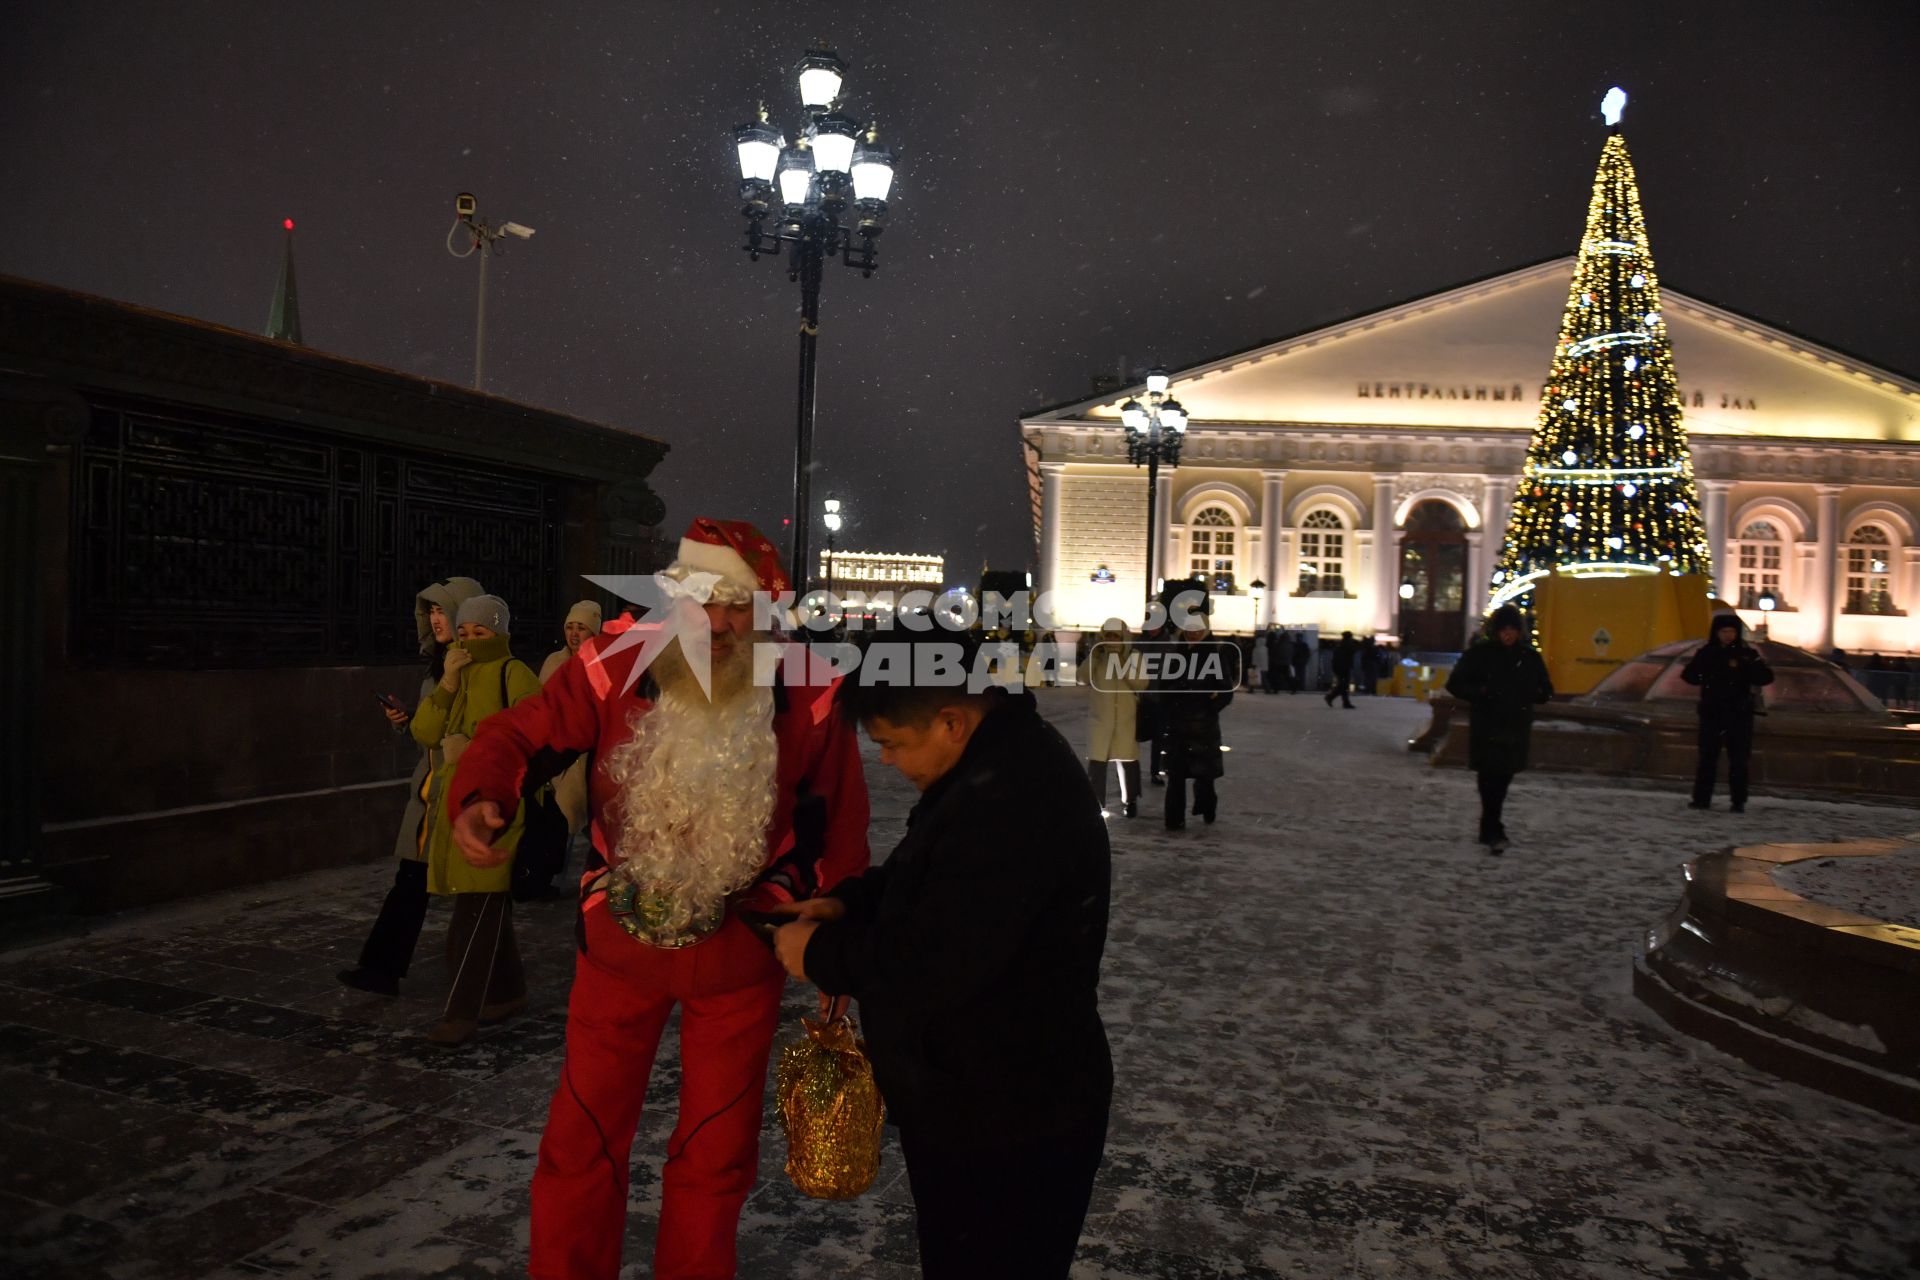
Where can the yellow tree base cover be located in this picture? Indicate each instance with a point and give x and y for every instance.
(1588, 625)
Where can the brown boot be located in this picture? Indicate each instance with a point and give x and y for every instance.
(451, 1033)
(492, 1013)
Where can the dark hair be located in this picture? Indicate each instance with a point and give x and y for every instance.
(436, 658)
(884, 685)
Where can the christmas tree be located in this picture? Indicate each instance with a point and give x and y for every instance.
(1607, 488)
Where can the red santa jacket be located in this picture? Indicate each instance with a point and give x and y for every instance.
(818, 834)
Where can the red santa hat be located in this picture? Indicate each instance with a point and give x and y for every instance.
(736, 551)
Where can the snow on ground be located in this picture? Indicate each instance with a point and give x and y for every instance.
(1348, 1043)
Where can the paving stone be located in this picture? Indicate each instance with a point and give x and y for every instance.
(1347, 1044)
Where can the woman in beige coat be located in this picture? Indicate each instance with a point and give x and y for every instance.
(1113, 701)
(570, 788)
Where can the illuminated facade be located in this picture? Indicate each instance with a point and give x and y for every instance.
(872, 571)
(1386, 450)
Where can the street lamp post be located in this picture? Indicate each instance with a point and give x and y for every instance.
(1768, 602)
(833, 526)
(1155, 432)
(795, 197)
(1256, 586)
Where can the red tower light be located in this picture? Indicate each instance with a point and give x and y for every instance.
(288, 224)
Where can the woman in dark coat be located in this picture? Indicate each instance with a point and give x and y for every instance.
(1501, 679)
(1727, 672)
(1189, 707)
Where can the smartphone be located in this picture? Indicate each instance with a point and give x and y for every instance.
(390, 702)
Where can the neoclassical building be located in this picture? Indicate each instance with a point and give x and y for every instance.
(1376, 459)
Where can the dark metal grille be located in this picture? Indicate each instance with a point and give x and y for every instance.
(202, 540)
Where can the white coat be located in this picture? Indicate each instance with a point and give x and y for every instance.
(1112, 711)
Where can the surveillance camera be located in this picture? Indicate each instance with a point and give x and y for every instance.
(465, 205)
(515, 229)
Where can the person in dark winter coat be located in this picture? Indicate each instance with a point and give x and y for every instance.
(1344, 655)
(1727, 672)
(974, 952)
(1189, 708)
(1301, 656)
(1500, 679)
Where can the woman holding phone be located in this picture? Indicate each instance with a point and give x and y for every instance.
(396, 930)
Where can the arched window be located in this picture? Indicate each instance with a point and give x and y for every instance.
(1323, 553)
(1212, 544)
(1759, 556)
(1869, 571)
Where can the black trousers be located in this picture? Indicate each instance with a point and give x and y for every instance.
(1097, 771)
(1205, 798)
(1493, 799)
(1270, 680)
(396, 930)
(1299, 680)
(1735, 733)
(1342, 687)
(1010, 1213)
(481, 955)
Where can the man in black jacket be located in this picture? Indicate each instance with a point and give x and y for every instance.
(1501, 680)
(974, 952)
(1727, 672)
(1343, 655)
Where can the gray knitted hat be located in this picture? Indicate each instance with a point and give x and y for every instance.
(486, 611)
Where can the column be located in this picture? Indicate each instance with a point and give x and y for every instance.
(1820, 597)
(1273, 517)
(1164, 558)
(1479, 570)
(1052, 476)
(1495, 492)
(1385, 554)
(1714, 514)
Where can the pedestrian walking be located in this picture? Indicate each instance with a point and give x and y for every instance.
(1501, 679)
(1259, 665)
(482, 678)
(1189, 706)
(1344, 654)
(1279, 654)
(1301, 656)
(1727, 671)
(388, 951)
(974, 952)
(1114, 679)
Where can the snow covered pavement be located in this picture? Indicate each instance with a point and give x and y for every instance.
(1348, 1043)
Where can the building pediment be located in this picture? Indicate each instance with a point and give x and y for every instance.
(1477, 356)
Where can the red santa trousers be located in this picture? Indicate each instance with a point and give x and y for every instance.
(729, 989)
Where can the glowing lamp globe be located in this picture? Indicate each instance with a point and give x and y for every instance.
(872, 170)
(759, 146)
(821, 72)
(833, 136)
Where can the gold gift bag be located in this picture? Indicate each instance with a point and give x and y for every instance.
(831, 1110)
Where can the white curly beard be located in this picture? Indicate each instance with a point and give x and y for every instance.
(696, 789)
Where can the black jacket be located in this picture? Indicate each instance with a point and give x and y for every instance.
(1727, 674)
(1187, 710)
(1343, 655)
(974, 950)
(1501, 683)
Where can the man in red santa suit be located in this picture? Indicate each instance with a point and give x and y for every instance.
(735, 794)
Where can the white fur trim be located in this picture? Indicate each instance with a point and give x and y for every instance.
(707, 557)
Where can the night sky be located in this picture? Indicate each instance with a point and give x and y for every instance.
(1078, 183)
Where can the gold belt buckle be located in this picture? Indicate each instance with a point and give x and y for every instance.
(643, 916)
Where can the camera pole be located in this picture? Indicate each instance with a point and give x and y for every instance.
(482, 239)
